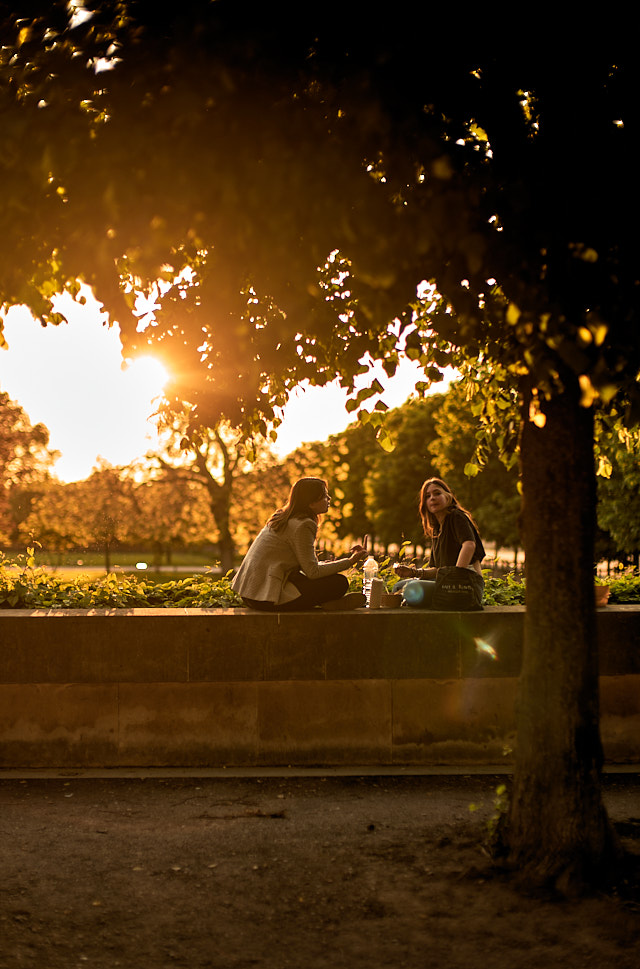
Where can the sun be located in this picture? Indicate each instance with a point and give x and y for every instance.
(72, 379)
(147, 375)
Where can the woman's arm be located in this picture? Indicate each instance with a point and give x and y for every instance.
(463, 561)
(303, 543)
(466, 553)
(409, 572)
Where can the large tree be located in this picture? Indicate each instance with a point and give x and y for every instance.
(311, 177)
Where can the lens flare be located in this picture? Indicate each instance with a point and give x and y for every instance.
(484, 647)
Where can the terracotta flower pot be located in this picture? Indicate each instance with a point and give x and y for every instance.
(391, 600)
(602, 594)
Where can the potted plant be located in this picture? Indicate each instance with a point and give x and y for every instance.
(601, 590)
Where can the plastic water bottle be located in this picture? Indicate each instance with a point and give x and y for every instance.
(369, 572)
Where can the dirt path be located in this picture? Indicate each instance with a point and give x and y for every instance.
(276, 872)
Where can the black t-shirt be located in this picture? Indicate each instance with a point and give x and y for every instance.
(456, 529)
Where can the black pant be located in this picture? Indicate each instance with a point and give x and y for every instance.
(313, 592)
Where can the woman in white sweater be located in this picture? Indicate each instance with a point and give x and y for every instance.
(281, 572)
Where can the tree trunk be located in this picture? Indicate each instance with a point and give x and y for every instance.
(157, 554)
(557, 830)
(221, 509)
(227, 549)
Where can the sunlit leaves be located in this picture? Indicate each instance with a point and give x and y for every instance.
(364, 394)
(530, 109)
(385, 441)
(271, 162)
(536, 415)
(618, 468)
(513, 314)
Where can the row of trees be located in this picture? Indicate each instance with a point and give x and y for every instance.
(25, 459)
(216, 497)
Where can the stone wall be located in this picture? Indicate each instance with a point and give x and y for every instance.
(208, 688)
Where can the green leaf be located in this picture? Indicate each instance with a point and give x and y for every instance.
(385, 441)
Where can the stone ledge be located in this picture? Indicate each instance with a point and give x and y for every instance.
(232, 645)
(207, 688)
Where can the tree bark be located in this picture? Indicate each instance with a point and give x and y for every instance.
(558, 831)
(220, 503)
(227, 549)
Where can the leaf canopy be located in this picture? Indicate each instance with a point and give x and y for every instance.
(292, 182)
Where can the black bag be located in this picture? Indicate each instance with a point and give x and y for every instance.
(457, 590)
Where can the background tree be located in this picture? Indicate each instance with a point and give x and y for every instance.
(471, 432)
(97, 513)
(170, 513)
(54, 519)
(345, 460)
(260, 491)
(376, 492)
(394, 483)
(333, 461)
(25, 463)
(215, 459)
(619, 484)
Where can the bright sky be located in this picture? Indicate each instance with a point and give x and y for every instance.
(71, 378)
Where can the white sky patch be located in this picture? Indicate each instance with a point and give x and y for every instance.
(72, 379)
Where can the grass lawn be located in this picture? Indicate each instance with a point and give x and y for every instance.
(168, 573)
(84, 560)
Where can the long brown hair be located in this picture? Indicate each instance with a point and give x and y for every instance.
(304, 492)
(430, 523)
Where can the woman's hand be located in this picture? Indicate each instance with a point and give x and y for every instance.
(356, 554)
(404, 571)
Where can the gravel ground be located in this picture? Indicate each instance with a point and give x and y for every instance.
(319, 870)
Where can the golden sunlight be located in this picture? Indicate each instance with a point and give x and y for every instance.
(149, 376)
(72, 379)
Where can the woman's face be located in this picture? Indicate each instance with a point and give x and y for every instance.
(438, 500)
(321, 505)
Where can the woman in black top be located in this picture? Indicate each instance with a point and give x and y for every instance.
(454, 541)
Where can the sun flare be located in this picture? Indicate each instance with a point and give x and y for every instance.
(148, 375)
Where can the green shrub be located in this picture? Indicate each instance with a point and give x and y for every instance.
(23, 585)
(624, 587)
(508, 590)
